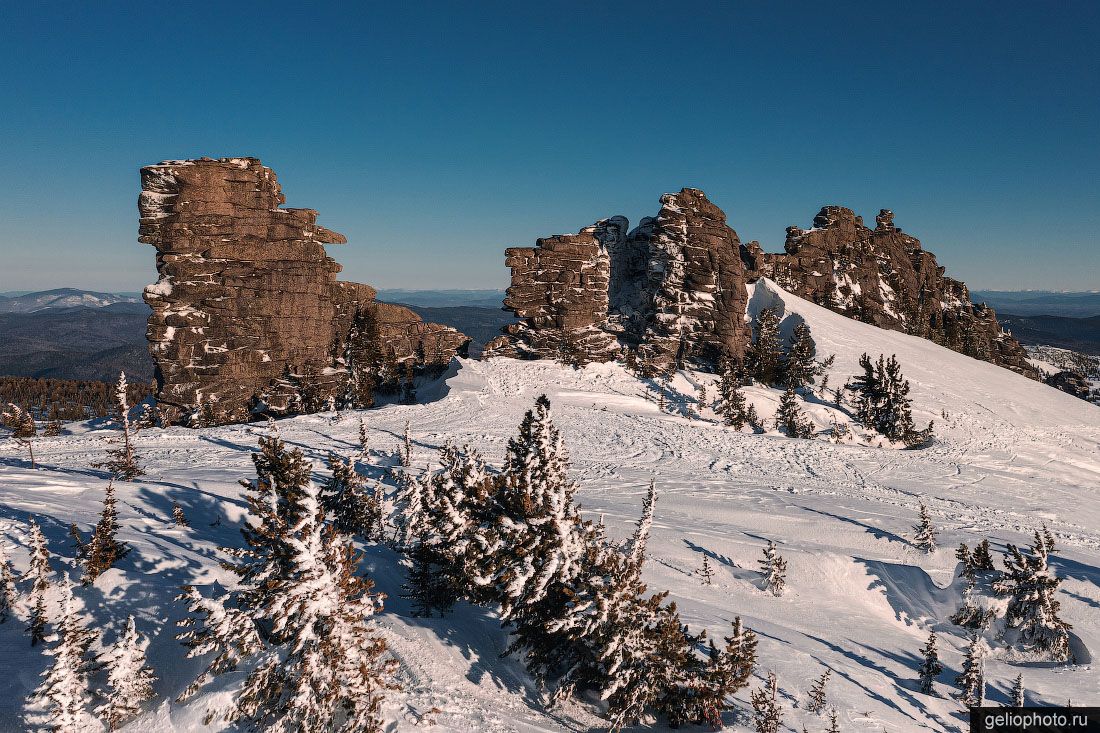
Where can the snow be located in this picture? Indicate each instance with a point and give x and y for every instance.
(1010, 454)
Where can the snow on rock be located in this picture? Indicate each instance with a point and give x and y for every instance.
(1011, 453)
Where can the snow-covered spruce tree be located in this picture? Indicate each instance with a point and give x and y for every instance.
(1048, 539)
(733, 404)
(817, 699)
(60, 702)
(324, 667)
(924, 532)
(983, 559)
(834, 723)
(22, 426)
(1032, 610)
(789, 418)
(706, 573)
(970, 615)
(54, 427)
(354, 510)
(411, 504)
(129, 678)
(1016, 696)
(178, 516)
(773, 568)
(971, 680)
(801, 366)
(104, 549)
(883, 403)
(39, 572)
(8, 594)
(122, 461)
(930, 667)
(767, 712)
(216, 626)
(966, 559)
(765, 358)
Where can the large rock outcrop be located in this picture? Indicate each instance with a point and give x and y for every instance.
(674, 287)
(885, 277)
(247, 294)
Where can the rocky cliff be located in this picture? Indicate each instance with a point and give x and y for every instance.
(673, 288)
(247, 294)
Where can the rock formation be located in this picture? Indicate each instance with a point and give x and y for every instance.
(247, 294)
(886, 278)
(674, 287)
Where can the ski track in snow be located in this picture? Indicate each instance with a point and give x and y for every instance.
(1010, 454)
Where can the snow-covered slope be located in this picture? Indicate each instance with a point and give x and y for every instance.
(1010, 454)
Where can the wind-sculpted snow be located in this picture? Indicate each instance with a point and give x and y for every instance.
(1010, 453)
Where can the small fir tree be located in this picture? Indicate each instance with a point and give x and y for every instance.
(766, 352)
(39, 572)
(364, 446)
(53, 423)
(817, 699)
(61, 700)
(767, 715)
(104, 549)
(801, 365)
(834, 722)
(23, 429)
(733, 405)
(1032, 609)
(705, 572)
(970, 615)
(129, 678)
(931, 667)
(774, 569)
(8, 594)
(80, 547)
(924, 532)
(883, 403)
(789, 418)
(122, 461)
(178, 516)
(971, 680)
(966, 559)
(354, 510)
(1048, 539)
(1016, 696)
(983, 559)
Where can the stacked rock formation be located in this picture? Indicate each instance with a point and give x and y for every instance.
(886, 278)
(674, 287)
(247, 293)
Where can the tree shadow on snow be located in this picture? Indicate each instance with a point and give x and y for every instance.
(879, 533)
(910, 591)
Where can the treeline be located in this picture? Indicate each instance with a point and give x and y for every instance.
(66, 399)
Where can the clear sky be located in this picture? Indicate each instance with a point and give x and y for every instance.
(434, 135)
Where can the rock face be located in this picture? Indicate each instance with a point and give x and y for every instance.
(247, 293)
(674, 287)
(885, 277)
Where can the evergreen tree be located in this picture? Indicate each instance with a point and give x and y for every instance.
(767, 711)
(774, 569)
(104, 549)
(53, 424)
(8, 594)
(789, 418)
(817, 699)
(216, 626)
(930, 667)
(1033, 609)
(883, 402)
(364, 446)
(122, 461)
(353, 509)
(79, 546)
(964, 556)
(1016, 697)
(971, 680)
(22, 426)
(705, 572)
(970, 615)
(178, 516)
(733, 405)
(983, 559)
(766, 352)
(129, 679)
(61, 700)
(461, 517)
(924, 533)
(39, 572)
(1048, 539)
(834, 723)
(801, 364)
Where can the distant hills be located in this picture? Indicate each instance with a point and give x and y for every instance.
(444, 298)
(61, 298)
(1040, 302)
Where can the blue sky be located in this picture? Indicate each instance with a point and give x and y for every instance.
(434, 135)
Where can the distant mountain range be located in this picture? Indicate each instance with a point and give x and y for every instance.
(78, 334)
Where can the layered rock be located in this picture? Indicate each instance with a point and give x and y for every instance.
(885, 277)
(247, 292)
(674, 287)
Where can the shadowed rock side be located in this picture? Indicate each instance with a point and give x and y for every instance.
(674, 288)
(247, 292)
